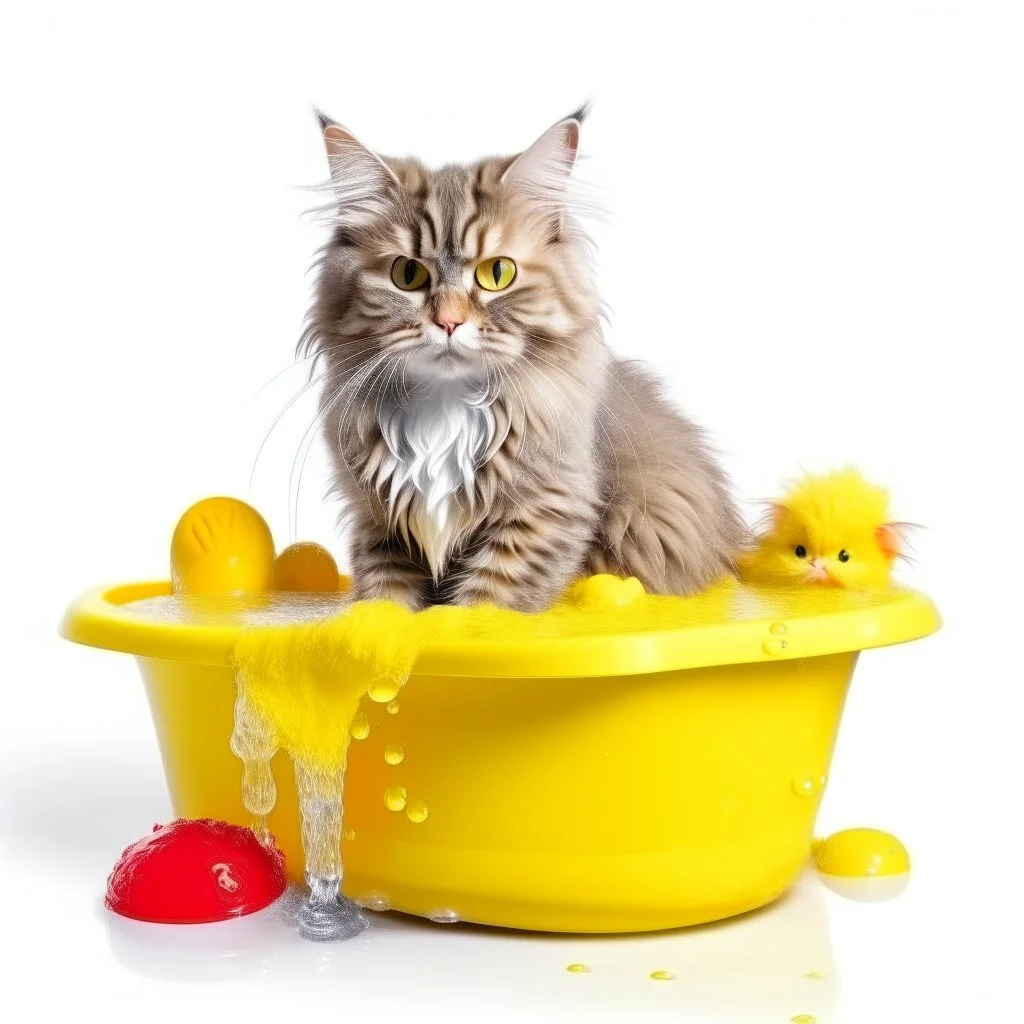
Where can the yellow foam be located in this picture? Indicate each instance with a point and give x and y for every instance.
(592, 606)
(307, 680)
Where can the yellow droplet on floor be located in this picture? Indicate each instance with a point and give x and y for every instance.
(861, 853)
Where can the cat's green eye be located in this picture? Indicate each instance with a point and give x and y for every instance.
(409, 274)
(496, 274)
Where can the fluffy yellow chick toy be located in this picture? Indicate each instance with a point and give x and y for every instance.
(832, 529)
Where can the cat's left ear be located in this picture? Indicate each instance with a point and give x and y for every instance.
(542, 171)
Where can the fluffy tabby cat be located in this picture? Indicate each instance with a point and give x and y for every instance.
(486, 444)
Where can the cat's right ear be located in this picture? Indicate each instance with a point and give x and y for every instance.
(542, 172)
(546, 165)
(360, 179)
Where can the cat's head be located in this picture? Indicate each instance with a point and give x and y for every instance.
(464, 271)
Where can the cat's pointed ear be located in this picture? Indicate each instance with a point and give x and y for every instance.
(542, 171)
(360, 179)
(549, 161)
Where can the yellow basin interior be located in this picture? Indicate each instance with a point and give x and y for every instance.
(621, 781)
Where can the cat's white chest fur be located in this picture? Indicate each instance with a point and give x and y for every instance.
(436, 440)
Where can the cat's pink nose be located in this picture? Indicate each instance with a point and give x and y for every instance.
(448, 322)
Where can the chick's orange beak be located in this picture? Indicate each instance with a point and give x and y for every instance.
(817, 571)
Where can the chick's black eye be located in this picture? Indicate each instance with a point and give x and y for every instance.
(844, 555)
(800, 551)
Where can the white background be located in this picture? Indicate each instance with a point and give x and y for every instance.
(816, 232)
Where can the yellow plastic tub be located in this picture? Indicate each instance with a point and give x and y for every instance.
(610, 783)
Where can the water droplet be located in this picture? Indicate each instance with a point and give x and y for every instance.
(803, 1018)
(393, 708)
(778, 628)
(577, 968)
(360, 727)
(774, 646)
(662, 976)
(382, 690)
(444, 916)
(395, 797)
(375, 901)
(417, 811)
(349, 834)
(805, 786)
(394, 753)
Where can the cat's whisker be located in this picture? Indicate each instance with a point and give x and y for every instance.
(293, 517)
(362, 390)
(553, 424)
(326, 377)
(330, 373)
(377, 389)
(296, 362)
(309, 434)
(522, 400)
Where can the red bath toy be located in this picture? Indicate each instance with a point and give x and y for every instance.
(195, 872)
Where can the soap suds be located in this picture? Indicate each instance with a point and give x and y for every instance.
(299, 688)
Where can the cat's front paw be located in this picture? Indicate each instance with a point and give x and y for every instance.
(398, 591)
(505, 594)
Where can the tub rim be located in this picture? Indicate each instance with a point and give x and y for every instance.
(95, 619)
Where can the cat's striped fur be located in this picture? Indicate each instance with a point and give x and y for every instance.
(498, 460)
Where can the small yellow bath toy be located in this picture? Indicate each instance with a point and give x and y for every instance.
(221, 546)
(861, 853)
(306, 567)
(604, 591)
(831, 529)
